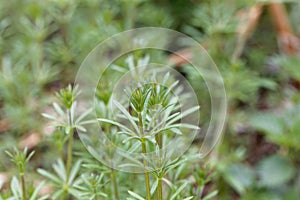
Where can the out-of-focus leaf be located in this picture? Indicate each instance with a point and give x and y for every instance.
(240, 177)
(267, 122)
(274, 171)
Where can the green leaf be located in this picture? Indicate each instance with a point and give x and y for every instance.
(135, 195)
(178, 190)
(184, 114)
(59, 110)
(60, 170)
(16, 188)
(49, 175)
(50, 117)
(210, 195)
(188, 198)
(176, 131)
(274, 171)
(36, 192)
(268, 123)
(117, 124)
(128, 116)
(154, 186)
(74, 172)
(240, 177)
(83, 115)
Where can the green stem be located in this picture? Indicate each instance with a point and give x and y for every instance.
(146, 173)
(159, 189)
(113, 172)
(69, 158)
(114, 183)
(23, 187)
(70, 147)
(144, 151)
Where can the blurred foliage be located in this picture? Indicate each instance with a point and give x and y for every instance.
(42, 44)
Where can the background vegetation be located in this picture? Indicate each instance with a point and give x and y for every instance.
(43, 43)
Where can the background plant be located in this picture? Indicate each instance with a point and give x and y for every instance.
(42, 43)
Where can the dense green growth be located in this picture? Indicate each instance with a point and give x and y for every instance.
(42, 44)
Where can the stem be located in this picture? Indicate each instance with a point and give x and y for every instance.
(114, 183)
(70, 148)
(113, 172)
(159, 189)
(64, 32)
(146, 174)
(23, 187)
(144, 151)
(159, 140)
(69, 160)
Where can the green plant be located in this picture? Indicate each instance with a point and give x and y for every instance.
(66, 120)
(63, 183)
(18, 187)
(21, 159)
(155, 110)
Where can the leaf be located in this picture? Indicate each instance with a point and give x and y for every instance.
(240, 177)
(188, 198)
(74, 172)
(83, 115)
(154, 186)
(210, 195)
(135, 195)
(267, 122)
(169, 183)
(183, 114)
(189, 126)
(274, 171)
(48, 175)
(60, 170)
(57, 194)
(72, 113)
(176, 131)
(59, 110)
(50, 117)
(29, 156)
(81, 128)
(130, 138)
(178, 190)
(117, 124)
(16, 188)
(128, 116)
(146, 104)
(37, 190)
(169, 90)
(165, 79)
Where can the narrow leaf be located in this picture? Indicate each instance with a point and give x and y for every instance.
(135, 195)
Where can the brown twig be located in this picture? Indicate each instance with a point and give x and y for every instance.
(288, 42)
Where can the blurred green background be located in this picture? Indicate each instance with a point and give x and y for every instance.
(43, 43)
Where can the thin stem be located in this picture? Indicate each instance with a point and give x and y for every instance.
(114, 183)
(113, 172)
(64, 32)
(23, 187)
(70, 148)
(146, 173)
(144, 151)
(69, 159)
(159, 140)
(159, 189)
